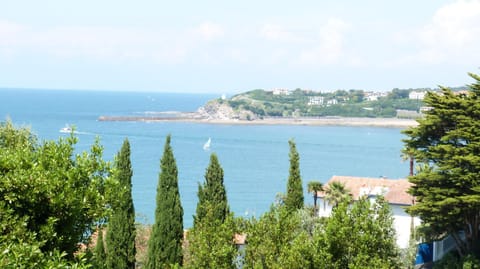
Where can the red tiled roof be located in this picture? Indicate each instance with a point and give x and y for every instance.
(395, 189)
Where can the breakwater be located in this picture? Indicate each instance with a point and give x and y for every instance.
(326, 121)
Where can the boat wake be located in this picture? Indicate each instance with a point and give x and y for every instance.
(69, 129)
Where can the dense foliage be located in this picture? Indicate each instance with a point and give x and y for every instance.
(361, 236)
(453, 261)
(165, 242)
(51, 199)
(446, 145)
(294, 196)
(121, 224)
(211, 242)
(278, 240)
(357, 236)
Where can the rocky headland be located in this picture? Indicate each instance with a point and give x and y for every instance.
(220, 112)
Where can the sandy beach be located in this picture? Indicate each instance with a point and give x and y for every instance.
(333, 121)
(326, 121)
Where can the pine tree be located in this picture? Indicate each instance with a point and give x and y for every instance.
(212, 193)
(100, 255)
(446, 146)
(121, 228)
(165, 243)
(294, 198)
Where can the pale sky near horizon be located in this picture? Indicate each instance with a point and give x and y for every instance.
(233, 46)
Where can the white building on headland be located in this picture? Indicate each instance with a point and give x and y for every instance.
(395, 193)
(315, 100)
(373, 96)
(416, 95)
(332, 102)
(281, 92)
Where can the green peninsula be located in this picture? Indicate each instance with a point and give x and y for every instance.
(306, 103)
(396, 108)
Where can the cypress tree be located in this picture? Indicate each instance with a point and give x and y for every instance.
(100, 255)
(210, 240)
(294, 197)
(121, 228)
(212, 194)
(165, 242)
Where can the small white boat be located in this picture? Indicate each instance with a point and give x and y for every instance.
(67, 129)
(206, 146)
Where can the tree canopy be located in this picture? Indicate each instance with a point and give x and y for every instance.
(446, 145)
(360, 236)
(211, 242)
(51, 199)
(336, 192)
(278, 240)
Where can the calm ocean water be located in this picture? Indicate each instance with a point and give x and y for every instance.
(254, 158)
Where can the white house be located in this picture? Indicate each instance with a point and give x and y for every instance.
(315, 100)
(332, 102)
(373, 96)
(416, 95)
(281, 92)
(394, 191)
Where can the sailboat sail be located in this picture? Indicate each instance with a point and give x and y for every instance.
(206, 146)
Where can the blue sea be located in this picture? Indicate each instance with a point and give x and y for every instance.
(254, 158)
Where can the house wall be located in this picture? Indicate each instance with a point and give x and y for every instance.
(324, 208)
(402, 223)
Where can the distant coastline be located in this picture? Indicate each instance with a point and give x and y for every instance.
(307, 121)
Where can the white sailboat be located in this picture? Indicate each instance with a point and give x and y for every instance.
(67, 129)
(206, 146)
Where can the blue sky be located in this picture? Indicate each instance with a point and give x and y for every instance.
(234, 46)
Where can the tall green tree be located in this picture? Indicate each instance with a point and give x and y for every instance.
(211, 239)
(121, 227)
(294, 198)
(165, 242)
(314, 187)
(57, 196)
(446, 145)
(212, 194)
